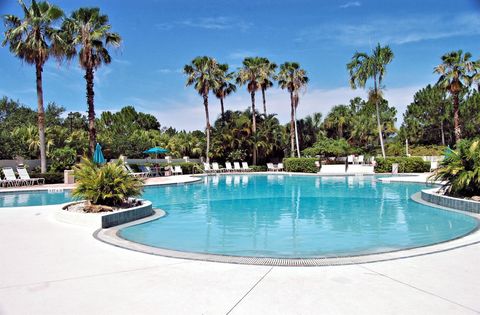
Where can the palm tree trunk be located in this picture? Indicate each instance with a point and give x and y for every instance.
(264, 102)
(456, 120)
(254, 127)
(41, 119)
(92, 133)
(222, 109)
(205, 103)
(442, 132)
(296, 129)
(292, 125)
(380, 134)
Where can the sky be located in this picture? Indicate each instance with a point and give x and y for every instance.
(161, 36)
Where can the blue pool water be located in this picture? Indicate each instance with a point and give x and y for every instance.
(283, 216)
(294, 216)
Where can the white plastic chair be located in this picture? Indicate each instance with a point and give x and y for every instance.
(206, 168)
(270, 167)
(10, 177)
(245, 167)
(228, 167)
(215, 167)
(23, 173)
(177, 170)
(236, 166)
(433, 165)
(280, 167)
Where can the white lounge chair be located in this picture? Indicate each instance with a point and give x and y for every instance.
(361, 159)
(10, 177)
(206, 168)
(23, 173)
(433, 165)
(177, 170)
(318, 165)
(146, 169)
(280, 167)
(131, 172)
(350, 159)
(215, 167)
(228, 167)
(270, 167)
(245, 167)
(236, 167)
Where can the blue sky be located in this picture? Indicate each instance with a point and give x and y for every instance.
(161, 36)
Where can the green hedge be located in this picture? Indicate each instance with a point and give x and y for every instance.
(50, 178)
(405, 165)
(303, 165)
(259, 168)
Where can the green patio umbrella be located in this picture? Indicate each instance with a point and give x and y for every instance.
(98, 155)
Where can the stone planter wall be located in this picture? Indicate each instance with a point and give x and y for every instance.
(105, 219)
(432, 196)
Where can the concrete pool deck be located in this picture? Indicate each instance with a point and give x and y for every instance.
(47, 267)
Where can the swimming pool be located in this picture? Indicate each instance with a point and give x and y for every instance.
(294, 216)
(283, 216)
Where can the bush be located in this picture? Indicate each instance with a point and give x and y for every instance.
(303, 165)
(62, 159)
(189, 167)
(427, 150)
(330, 147)
(259, 168)
(106, 185)
(405, 165)
(461, 170)
(50, 178)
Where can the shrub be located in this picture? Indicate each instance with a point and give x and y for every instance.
(330, 147)
(427, 150)
(107, 185)
(50, 178)
(62, 159)
(461, 170)
(405, 165)
(189, 167)
(303, 165)
(259, 168)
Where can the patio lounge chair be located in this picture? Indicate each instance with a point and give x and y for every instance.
(131, 172)
(433, 165)
(11, 179)
(318, 165)
(245, 167)
(206, 168)
(280, 167)
(216, 168)
(177, 170)
(23, 173)
(146, 169)
(271, 168)
(236, 167)
(228, 167)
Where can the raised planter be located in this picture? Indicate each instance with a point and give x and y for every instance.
(432, 196)
(103, 219)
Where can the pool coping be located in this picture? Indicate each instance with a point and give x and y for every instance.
(112, 236)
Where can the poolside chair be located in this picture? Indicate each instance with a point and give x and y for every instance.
(245, 167)
(3, 182)
(318, 165)
(10, 177)
(177, 170)
(350, 159)
(146, 169)
(270, 167)
(228, 167)
(236, 167)
(280, 167)
(206, 168)
(23, 173)
(215, 167)
(131, 172)
(433, 165)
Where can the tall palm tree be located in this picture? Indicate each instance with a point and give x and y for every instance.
(293, 78)
(203, 73)
(455, 72)
(364, 67)
(338, 118)
(87, 33)
(226, 86)
(30, 40)
(251, 74)
(268, 73)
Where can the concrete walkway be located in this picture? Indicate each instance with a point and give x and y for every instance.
(47, 267)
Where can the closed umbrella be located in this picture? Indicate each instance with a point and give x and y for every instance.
(98, 155)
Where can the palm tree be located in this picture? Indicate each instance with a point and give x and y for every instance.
(338, 118)
(364, 67)
(226, 86)
(87, 33)
(456, 72)
(203, 74)
(30, 40)
(251, 74)
(294, 79)
(268, 72)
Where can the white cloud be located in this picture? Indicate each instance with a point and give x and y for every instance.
(209, 23)
(350, 4)
(188, 113)
(397, 30)
(168, 70)
(241, 54)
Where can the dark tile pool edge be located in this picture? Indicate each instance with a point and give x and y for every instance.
(112, 236)
(432, 197)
